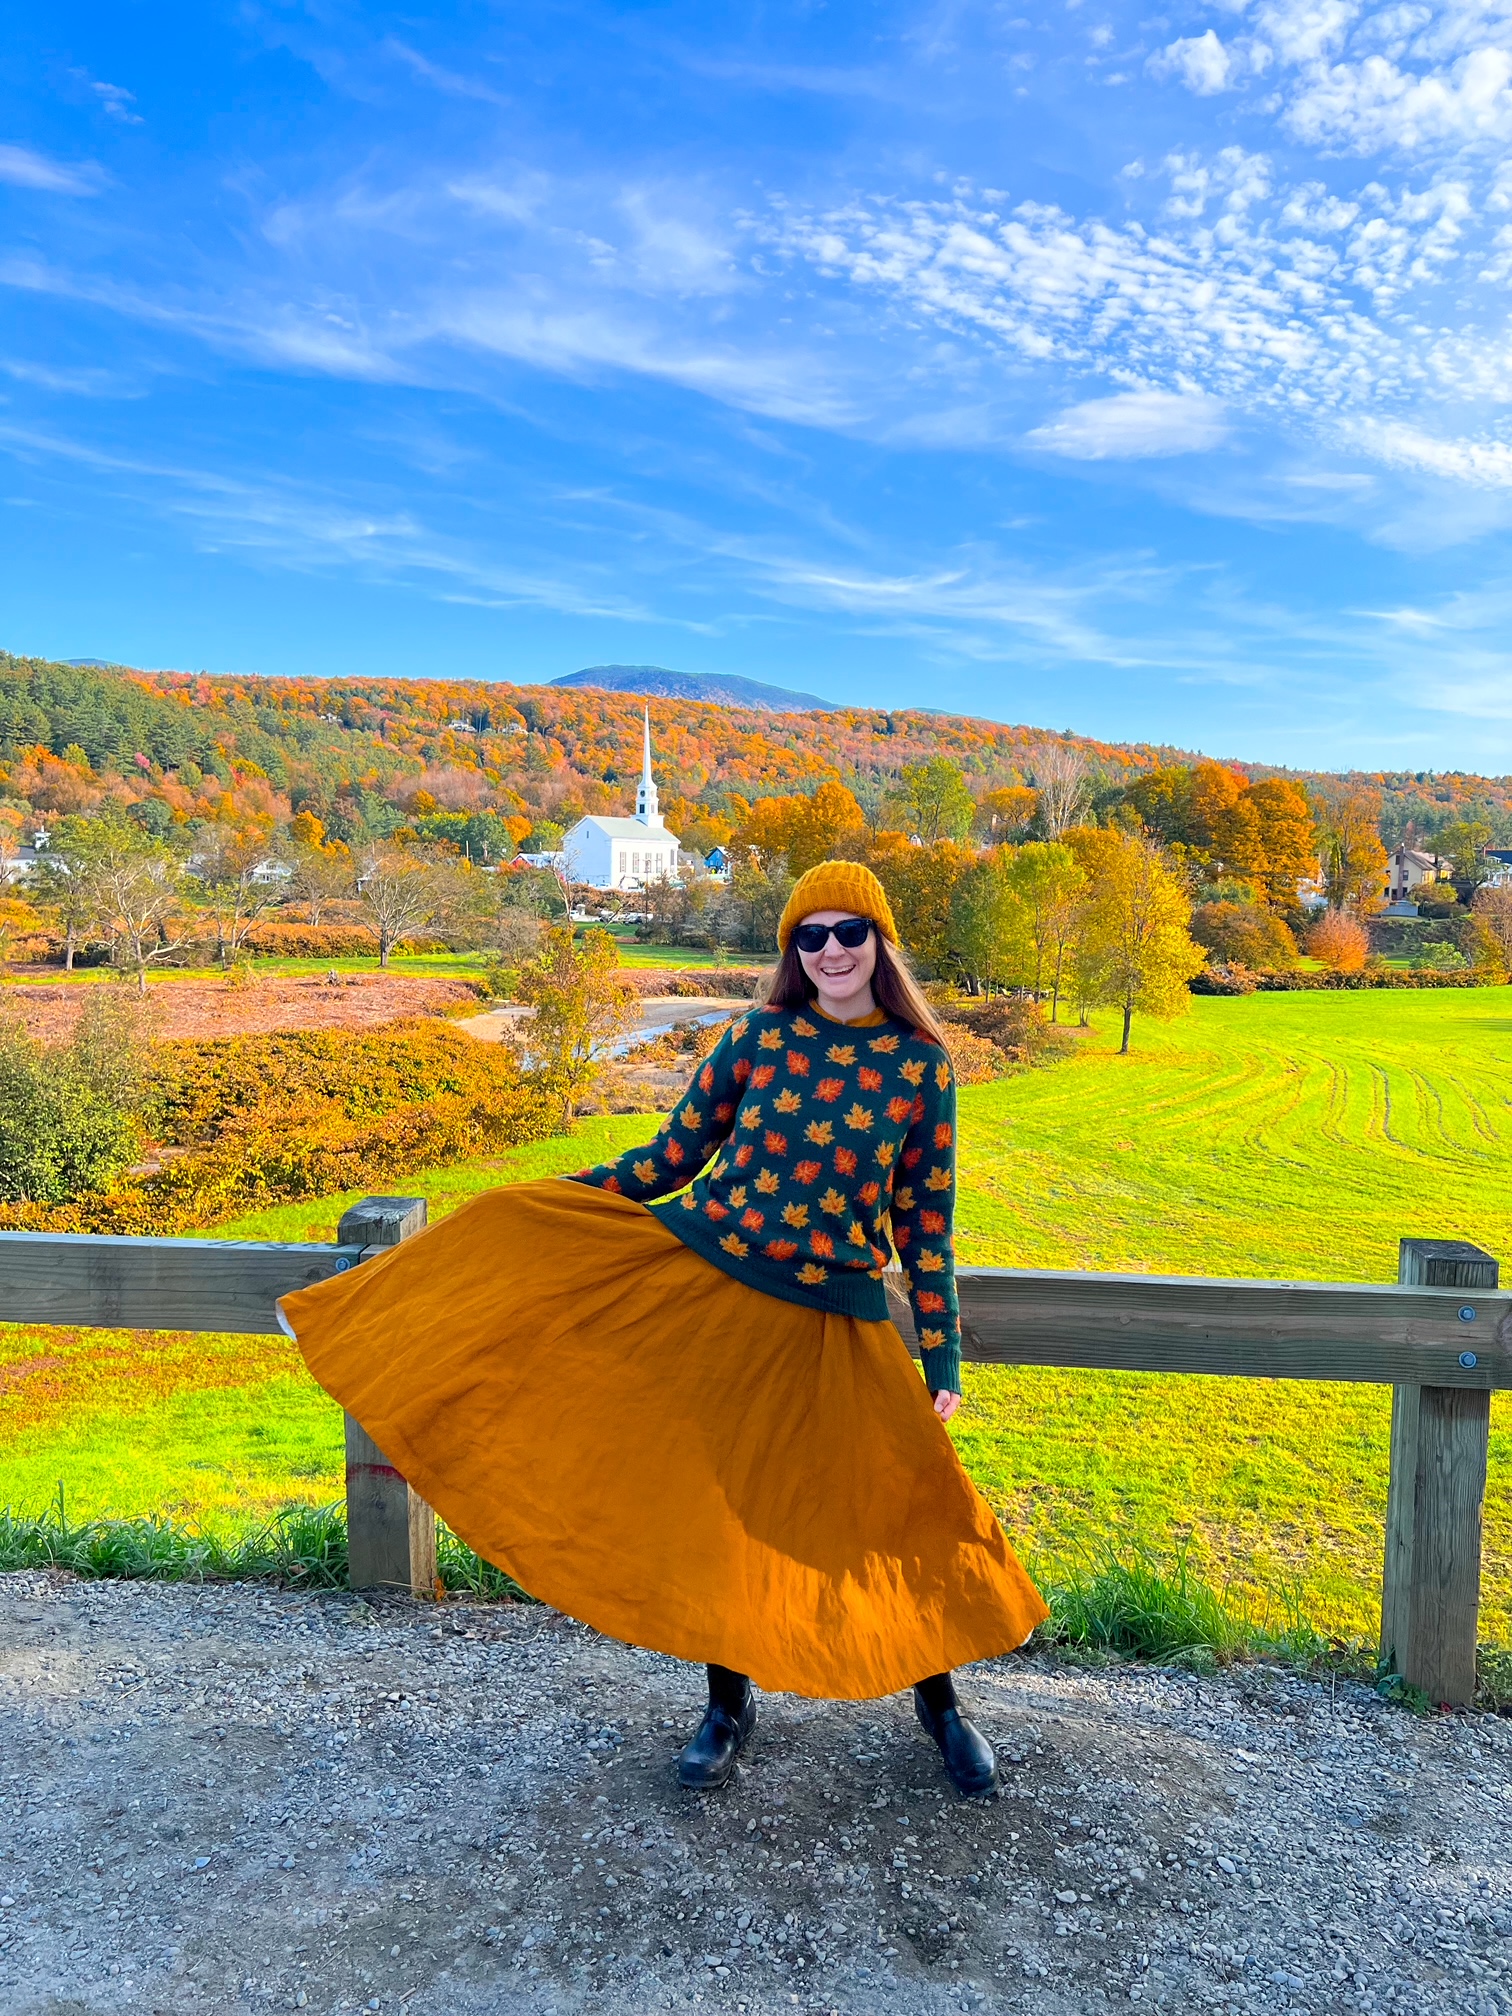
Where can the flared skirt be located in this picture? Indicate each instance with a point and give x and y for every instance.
(670, 1455)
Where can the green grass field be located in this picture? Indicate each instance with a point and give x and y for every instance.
(1271, 1136)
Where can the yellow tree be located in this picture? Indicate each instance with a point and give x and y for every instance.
(1045, 884)
(1135, 951)
(986, 937)
(804, 828)
(579, 1006)
(920, 882)
(1005, 813)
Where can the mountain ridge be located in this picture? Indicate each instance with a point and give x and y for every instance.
(719, 689)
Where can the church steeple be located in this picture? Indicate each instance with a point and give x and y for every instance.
(647, 810)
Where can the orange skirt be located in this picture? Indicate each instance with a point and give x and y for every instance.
(670, 1456)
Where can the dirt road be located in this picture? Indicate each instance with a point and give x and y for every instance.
(220, 1799)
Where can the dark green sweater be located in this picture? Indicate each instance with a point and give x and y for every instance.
(825, 1137)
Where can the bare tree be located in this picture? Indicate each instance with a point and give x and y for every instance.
(319, 875)
(400, 891)
(139, 885)
(1059, 774)
(227, 860)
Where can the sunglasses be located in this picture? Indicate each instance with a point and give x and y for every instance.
(849, 932)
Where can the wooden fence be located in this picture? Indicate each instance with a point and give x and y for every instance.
(1441, 1338)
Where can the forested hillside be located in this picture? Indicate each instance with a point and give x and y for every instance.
(347, 749)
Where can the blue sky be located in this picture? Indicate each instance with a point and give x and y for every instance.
(1143, 373)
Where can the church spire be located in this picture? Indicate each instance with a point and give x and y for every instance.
(647, 810)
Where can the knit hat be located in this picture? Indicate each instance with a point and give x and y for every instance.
(838, 885)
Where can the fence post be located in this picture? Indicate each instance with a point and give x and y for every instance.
(391, 1532)
(1430, 1600)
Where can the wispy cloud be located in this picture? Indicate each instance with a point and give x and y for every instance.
(455, 83)
(1135, 425)
(24, 169)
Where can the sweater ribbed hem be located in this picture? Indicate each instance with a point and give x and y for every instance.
(942, 1370)
(848, 1291)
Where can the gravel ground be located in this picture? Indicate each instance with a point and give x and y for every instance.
(225, 1799)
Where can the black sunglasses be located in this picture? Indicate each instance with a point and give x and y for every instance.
(849, 932)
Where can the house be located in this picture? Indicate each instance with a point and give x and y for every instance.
(1498, 867)
(625, 853)
(17, 866)
(1409, 869)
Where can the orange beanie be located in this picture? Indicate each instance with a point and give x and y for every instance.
(838, 885)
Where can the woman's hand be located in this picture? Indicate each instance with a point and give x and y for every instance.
(945, 1404)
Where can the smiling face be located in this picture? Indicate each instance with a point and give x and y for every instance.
(841, 974)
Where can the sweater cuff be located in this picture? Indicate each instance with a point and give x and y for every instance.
(942, 1368)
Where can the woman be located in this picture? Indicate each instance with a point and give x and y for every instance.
(693, 1427)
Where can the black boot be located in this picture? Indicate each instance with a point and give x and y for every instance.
(709, 1760)
(969, 1760)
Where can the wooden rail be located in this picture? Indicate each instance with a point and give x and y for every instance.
(1442, 1338)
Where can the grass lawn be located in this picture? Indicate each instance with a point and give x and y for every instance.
(1270, 1135)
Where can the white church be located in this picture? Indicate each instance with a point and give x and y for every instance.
(624, 853)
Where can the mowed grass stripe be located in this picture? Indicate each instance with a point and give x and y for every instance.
(1275, 1136)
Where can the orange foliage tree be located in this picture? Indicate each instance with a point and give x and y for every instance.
(804, 828)
(1341, 941)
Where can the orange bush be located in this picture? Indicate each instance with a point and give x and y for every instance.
(1341, 941)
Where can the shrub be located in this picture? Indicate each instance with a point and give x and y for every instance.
(975, 1060)
(69, 1113)
(250, 1120)
(1013, 1024)
(1225, 980)
(1242, 934)
(1441, 959)
(312, 941)
(734, 982)
(1384, 977)
(1340, 941)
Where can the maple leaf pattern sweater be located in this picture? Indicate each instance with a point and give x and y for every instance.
(799, 1145)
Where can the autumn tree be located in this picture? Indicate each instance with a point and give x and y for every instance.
(1163, 799)
(1046, 884)
(579, 1009)
(1289, 836)
(1260, 834)
(1134, 950)
(985, 935)
(1340, 941)
(1242, 934)
(933, 801)
(1005, 813)
(1353, 859)
(1463, 844)
(1492, 911)
(758, 893)
(802, 829)
(920, 882)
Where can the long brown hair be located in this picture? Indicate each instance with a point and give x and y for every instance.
(894, 988)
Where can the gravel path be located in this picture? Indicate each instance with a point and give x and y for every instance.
(224, 1799)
